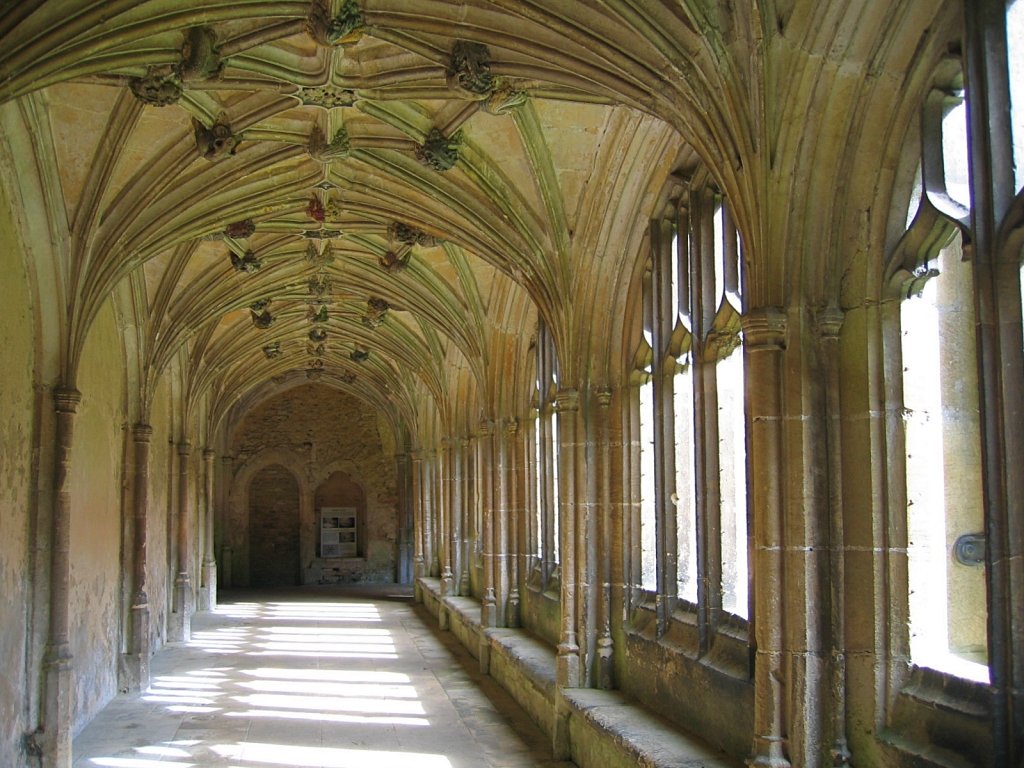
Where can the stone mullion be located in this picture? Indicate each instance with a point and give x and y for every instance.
(137, 662)
(585, 483)
(605, 541)
(431, 560)
(1000, 364)
(520, 515)
(509, 521)
(568, 670)
(465, 507)
(829, 323)
(446, 529)
(418, 523)
(180, 624)
(485, 496)
(56, 722)
(208, 594)
(224, 574)
(764, 331)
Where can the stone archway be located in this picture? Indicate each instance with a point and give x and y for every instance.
(273, 528)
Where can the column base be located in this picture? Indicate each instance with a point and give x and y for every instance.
(133, 667)
(54, 735)
(605, 667)
(208, 592)
(567, 666)
(179, 622)
(767, 753)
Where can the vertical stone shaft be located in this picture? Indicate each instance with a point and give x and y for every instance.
(568, 673)
(226, 551)
(180, 626)
(515, 542)
(138, 649)
(502, 514)
(56, 720)
(764, 332)
(485, 476)
(419, 524)
(466, 522)
(446, 533)
(605, 535)
(208, 595)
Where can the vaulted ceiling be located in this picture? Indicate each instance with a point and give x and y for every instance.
(380, 195)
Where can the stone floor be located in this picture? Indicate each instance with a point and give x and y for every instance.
(315, 678)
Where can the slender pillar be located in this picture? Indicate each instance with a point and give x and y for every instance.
(485, 475)
(56, 717)
(179, 625)
(446, 534)
(764, 333)
(515, 534)
(224, 575)
(419, 522)
(465, 507)
(208, 593)
(568, 673)
(605, 541)
(136, 661)
(503, 513)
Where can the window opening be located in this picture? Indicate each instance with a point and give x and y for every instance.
(1015, 56)
(648, 508)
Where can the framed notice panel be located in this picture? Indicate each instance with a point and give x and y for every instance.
(338, 532)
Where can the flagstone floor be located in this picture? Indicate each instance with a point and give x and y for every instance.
(316, 678)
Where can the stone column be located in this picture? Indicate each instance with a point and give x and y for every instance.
(419, 523)
(446, 533)
(136, 662)
(764, 332)
(513, 532)
(568, 671)
(226, 552)
(464, 512)
(605, 542)
(208, 593)
(56, 717)
(485, 474)
(179, 624)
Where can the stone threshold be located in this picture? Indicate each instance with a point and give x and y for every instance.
(595, 728)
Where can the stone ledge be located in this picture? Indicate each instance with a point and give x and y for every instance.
(605, 728)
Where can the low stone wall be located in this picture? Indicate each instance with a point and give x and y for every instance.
(597, 729)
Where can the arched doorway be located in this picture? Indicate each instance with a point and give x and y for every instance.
(273, 528)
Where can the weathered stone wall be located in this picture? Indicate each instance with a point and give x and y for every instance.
(161, 455)
(16, 472)
(316, 431)
(96, 471)
(274, 521)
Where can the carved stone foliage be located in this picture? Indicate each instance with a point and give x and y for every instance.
(325, 151)
(200, 57)
(315, 209)
(247, 263)
(347, 377)
(316, 350)
(318, 335)
(376, 310)
(319, 258)
(321, 234)
(343, 29)
(359, 354)
(469, 69)
(159, 87)
(261, 318)
(438, 151)
(404, 233)
(505, 98)
(272, 350)
(318, 315)
(319, 286)
(391, 262)
(240, 229)
(327, 96)
(217, 141)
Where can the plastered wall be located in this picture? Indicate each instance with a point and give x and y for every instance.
(16, 481)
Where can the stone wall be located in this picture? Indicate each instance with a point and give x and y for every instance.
(314, 432)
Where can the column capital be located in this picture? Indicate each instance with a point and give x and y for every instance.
(567, 400)
(828, 321)
(66, 399)
(764, 328)
(184, 448)
(209, 455)
(511, 427)
(603, 397)
(486, 427)
(141, 433)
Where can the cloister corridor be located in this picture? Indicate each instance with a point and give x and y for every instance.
(317, 678)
